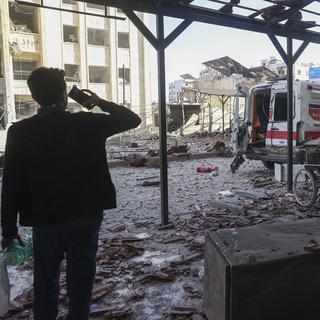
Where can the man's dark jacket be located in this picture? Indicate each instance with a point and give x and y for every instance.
(56, 166)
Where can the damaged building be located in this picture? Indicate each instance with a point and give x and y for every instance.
(210, 98)
(108, 56)
(189, 239)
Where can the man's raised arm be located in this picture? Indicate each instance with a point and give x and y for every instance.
(120, 118)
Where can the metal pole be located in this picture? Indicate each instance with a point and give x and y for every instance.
(290, 112)
(210, 118)
(203, 115)
(223, 102)
(183, 115)
(163, 121)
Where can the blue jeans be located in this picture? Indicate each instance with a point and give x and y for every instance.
(77, 240)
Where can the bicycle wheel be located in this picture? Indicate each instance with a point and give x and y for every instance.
(305, 188)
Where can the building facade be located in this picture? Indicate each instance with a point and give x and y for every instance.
(108, 56)
(300, 70)
(176, 92)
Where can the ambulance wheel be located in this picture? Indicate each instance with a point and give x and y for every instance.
(268, 164)
(305, 188)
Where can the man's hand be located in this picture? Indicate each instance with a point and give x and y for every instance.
(6, 241)
(92, 101)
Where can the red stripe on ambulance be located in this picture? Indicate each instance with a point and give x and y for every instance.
(281, 135)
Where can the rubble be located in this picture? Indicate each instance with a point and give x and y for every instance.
(255, 195)
(149, 272)
(151, 184)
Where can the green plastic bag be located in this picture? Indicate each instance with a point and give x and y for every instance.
(4, 287)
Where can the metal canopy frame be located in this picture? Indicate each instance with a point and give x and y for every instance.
(272, 17)
(281, 18)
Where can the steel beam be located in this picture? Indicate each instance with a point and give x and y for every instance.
(290, 59)
(279, 48)
(214, 17)
(290, 112)
(288, 13)
(176, 32)
(163, 121)
(142, 27)
(42, 6)
(300, 50)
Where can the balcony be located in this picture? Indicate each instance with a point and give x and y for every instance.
(98, 23)
(70, 18)
(98, 56)
(101, 89)
(71, 53)
(20, 88)
(24, 42)
(123, 26)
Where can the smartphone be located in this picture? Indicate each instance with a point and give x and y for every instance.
(77, 95)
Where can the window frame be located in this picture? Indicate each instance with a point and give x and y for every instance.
(77, 34)
(123, 33)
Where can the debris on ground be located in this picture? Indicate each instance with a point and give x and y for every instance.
(151, 184)
(226, 193)
(136, 160)
(148, 271)
(255, 195)
(178, 149)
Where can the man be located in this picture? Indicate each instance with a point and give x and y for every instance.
(57, 180)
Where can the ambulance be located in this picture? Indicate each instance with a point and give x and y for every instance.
(262, 132)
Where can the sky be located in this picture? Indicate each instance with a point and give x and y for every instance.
(203, 42)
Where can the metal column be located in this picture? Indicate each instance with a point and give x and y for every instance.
(290, 112)
(163, 121)
(160, 43)
(223, 103)
(290, 59)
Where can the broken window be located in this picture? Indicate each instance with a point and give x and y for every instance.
(126, 75)
(280, 107)
(72, 72)
(23, 18)
(95, 6)
(123, 40)
(22, 69)
(70, 34)
(98, 74)
(98, 37)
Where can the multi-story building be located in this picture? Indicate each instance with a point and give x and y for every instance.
(176, 88)
(300, 70)
(108, 56)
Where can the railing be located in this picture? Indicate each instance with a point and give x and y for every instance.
(25, 42)
(98, 55)
(20, 87)
(71, 53)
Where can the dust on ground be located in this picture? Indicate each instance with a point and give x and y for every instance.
(147, 273)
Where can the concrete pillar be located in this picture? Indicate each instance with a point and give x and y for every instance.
(83, 47)
(113, 59)
(9, 111)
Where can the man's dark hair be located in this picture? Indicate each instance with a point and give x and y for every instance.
(47, 85)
